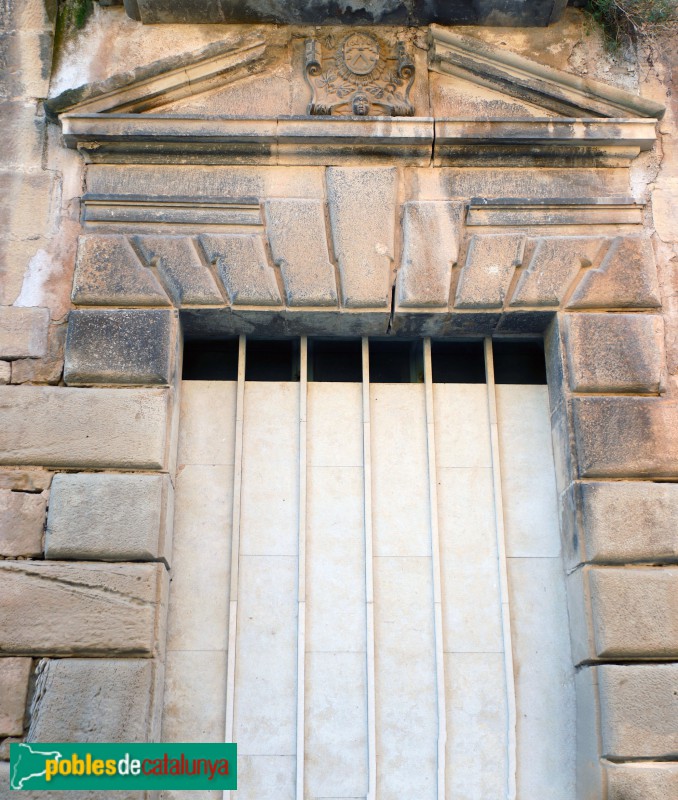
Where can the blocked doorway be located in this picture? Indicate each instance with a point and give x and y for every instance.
(367, 592)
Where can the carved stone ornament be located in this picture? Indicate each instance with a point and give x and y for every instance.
(360, 75)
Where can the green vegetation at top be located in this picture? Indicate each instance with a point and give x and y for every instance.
(626, 21)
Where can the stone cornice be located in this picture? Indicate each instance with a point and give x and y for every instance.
(530, 81)
(155, 138)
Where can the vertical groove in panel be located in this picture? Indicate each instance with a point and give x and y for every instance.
(301, 592)
(369, 579)
(235, 546)
(435, 568)
(503, 575)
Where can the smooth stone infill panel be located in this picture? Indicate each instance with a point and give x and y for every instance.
(89, 609)
(624, 522)
(96, 700)
(614, 352)
(638, 709)
(14, 675)
(96, 428)
(120, 346)
(104, 517)
(544, 673)
(626, 437)
(207, 423)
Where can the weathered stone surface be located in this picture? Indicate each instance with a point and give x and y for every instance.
(96, 700)
(81, 608)
(431, 231)
(625, 521)
(298, 239)
(652, 780)
(362, 206)
(554, 265)
(5, 372)
(25, 480)
(23, 332)
(109, 273)
(128, 346)
(634, 613)
(588, 765)
(47, 369)
(614, 352)
(53, 426)
(490, 263)
(626, 437)
(638, 707)
(8, 794)
(626, 278)
(22, 521)
(188, 280)
(244, 269)
(109, 517)
(14, 674)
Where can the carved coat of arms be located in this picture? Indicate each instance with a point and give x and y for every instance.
(359, 75)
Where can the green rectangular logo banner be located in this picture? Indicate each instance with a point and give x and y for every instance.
(68, 766)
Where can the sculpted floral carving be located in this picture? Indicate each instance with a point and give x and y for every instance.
(360, 74)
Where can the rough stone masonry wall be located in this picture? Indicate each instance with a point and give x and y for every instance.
(86, 473)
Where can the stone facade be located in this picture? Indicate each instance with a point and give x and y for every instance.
(515, 198)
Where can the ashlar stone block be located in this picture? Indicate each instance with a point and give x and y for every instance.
(180, 266)
(109, 273)
(490, 263)
(5, 372)
(109, 517)
(626, 437)
(244, 269)
(638, 708)
(625, 521)
(633, 613)
(88, 609)
(14, 674)
(22, 522)
(96, 700)
(431, 231)
(651, 780)
(626, 278)
(362, 206)
(126, 346)
(555, 263)
(23, 332)
(298, 238)
(98, 428)
(614, 352)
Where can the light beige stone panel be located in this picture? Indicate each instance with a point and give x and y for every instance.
(243, 267)
(431, 232)
(490, 262)
(14, 674)
(634, 612)
(335, 425)
(614, 352)
(362, 205)
(96, 700)
(98, 428)
(23, 332)
(639, 707)
(298, 238)
(626, 278)
(110, 517)
(627, 521)
(262, 776)
(207, 429)
(22, 522)
(81, 608)
(652, 780)
(554, 265)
